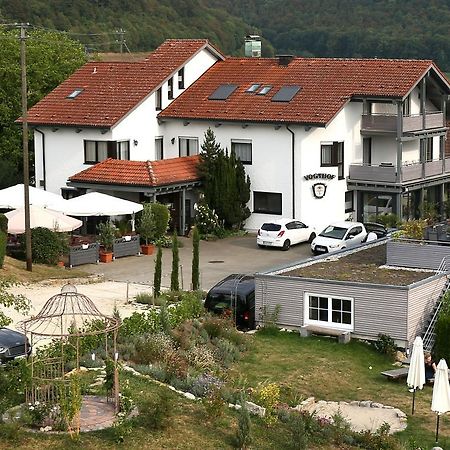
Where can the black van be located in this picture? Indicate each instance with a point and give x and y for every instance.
(234, 293)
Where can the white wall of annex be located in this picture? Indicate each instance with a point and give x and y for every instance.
(411, 152)
(64, 154)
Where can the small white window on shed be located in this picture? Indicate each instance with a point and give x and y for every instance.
(75, 93)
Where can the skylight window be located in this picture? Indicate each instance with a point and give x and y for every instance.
(223, 92)
(253, 87)
(264, 90)
(286, 94)
(75, 93)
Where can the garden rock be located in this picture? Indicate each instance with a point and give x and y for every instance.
(13, 414)
(255, 409)
(189, 396)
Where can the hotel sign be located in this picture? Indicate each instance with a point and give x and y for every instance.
(319, 189)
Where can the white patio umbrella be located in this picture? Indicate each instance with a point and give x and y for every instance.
(440, 402)
(41, 217)
(98, 204)
(416, 372)
(13, 198)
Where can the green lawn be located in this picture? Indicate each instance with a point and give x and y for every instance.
(303, 367)
(326, 370)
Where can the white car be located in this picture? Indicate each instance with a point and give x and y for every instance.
(284, 233)
(338, 236)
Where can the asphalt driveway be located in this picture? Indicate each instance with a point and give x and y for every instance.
(217, 259)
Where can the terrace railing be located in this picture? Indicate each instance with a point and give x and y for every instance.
(381, 122)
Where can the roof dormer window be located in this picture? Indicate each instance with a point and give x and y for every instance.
(253, 87)
(264, 90)
(75, 93)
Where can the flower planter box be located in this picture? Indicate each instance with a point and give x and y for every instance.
(147, 249)
(84, 254)
(126, 246)
(106, 257)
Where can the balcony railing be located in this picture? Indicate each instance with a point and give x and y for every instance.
(387, 123)
(387, 173)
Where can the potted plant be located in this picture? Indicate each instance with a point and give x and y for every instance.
(106, 233)
(147, 228)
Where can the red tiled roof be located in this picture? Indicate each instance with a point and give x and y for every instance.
(326, 85)
(141, 173)
(111, 89)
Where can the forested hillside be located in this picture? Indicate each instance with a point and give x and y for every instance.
(352, 28)
(147, 22)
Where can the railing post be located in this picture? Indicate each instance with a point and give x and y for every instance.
(399, 141)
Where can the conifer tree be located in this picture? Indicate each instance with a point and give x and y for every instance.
(158, 273)
(195, 259)
(174, 279)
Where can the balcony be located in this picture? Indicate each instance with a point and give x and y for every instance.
(387, 123)
(387, 173)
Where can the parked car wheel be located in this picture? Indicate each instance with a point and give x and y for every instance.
(311, 237)
(260, 246)
(286, 244)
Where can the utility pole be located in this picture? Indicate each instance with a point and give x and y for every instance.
(121, 34)
(26, 165)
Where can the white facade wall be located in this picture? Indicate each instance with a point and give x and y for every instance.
(411, 152)
(271, 168)
(64, 147)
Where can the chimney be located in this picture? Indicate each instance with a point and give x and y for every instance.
(253, 46)
(284, 60)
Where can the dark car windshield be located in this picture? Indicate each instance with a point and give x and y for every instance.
(271, 227)
(333, 232)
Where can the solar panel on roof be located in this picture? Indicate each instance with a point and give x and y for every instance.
(223, 92)
(286, 94)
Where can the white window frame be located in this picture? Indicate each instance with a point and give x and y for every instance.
(161, 139)
(329, 323)
(188, 138)
(244, 141)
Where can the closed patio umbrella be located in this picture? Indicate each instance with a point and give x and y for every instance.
(416, 372)
(440, 402)
(41, 217)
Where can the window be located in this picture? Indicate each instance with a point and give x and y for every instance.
(170, 89)
(336, 312)
(349, 202)
(332, 155)
(158, 100)
(367, 151)
(243, 150)
(97, 151)
(406, 106)
(181, 78)
(188, 146)
(264, 90)
(429, 149)
(123, 150)
(159, 148)
(75, 93)
(253, 87)
(267, 203)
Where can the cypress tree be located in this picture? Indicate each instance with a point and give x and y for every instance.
(158, 273)
(195, 259)
(174, 278)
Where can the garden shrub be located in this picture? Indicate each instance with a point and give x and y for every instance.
(107, 232)
(3, 241)
(244, 428)
(152, 347)
(269, 318)
(213, 403)
(413, 229)
(146, 224)
(14, 379)
(267, 395)
(388, 220)
(46, 245)
(3, 223)
(10, 432)
(385, 344)
(298, 436)
(206, 219)
(158, 273)
(195, 259)
(154, 412)
(201, 358)
(442, 330)
(174, 277)
(203, 384)
(161, 217)
(226, 352)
